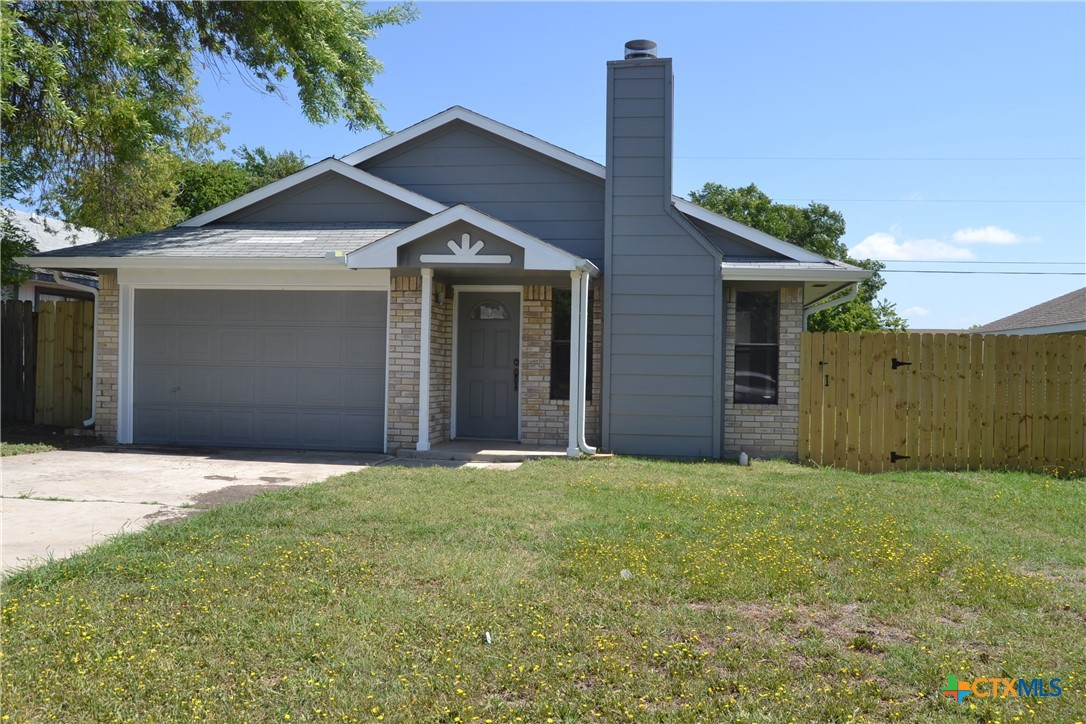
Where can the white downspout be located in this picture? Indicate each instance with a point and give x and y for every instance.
(94, 351)
(831, 304)
(426, 302)
(582, 363)
(574, 449)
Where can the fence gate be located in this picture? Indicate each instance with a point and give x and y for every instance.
(872, 402)
(18, 348)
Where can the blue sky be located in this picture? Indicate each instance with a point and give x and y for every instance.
(943, 132)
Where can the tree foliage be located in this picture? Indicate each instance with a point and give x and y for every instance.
(14, 242)
(815, 227)
(96, 96)
(203, 185)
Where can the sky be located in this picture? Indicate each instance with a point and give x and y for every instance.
(952, 137)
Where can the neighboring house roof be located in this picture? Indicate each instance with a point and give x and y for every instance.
(1066, 313)
(278, 240)
(50, 234)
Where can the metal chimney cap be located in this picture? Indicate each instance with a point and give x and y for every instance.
(640, 49)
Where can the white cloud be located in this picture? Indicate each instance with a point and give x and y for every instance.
(885, 246)
(916, 312)
(985, 235)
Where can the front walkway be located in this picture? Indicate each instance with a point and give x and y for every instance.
(493, 451)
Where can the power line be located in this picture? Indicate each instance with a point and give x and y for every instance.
(888, 158)
(974, 261)
(962, 271)
(937, 201)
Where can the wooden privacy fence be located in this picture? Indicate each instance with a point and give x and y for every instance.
(872, 402)
(48, 362)
(18, 354)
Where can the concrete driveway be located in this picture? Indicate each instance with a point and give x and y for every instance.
(57, 503)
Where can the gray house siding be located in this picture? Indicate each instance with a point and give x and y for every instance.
(469, 166)
(663, 313)
(328, 198)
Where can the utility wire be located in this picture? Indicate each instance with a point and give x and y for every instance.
(961, 271)
(937, 201)
(971, 261)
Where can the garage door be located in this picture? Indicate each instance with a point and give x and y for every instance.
(273, 369)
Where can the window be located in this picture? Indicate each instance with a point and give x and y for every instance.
(489, 309)
(756, 353)
(560, 334)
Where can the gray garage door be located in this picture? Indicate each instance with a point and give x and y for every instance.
(275, 369)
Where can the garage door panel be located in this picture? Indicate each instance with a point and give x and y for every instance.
(197, 385)
(260, 369)
(237, 345)
(197, 425)
(277, 428)
(159, 344)
(322, 346)
(276, 346)
(365, 348)
(278, 386)
(155, 425)
(157, 384)
(237, 387)
(236, 427)
(280, 307)
(365, 389)
(197, 344)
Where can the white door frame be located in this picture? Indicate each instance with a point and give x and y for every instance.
(510, 288)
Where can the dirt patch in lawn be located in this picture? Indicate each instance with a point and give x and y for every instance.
(842, 624)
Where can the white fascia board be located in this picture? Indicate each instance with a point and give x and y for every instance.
(181, 262)
(761, 274)
(538, 254)
(1047, 329)
(459, 113)
(793, 252)
(327, 165)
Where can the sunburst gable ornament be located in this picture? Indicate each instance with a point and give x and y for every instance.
(466, 253)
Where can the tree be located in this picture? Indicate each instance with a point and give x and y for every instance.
(815, 227)
(203, 185)
(94, 93)
(15, 241)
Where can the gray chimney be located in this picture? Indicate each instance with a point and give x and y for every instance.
(639, 107)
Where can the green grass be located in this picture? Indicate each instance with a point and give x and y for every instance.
(18, 438)
(751, 594)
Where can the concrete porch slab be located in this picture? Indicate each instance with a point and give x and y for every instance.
(490, 451)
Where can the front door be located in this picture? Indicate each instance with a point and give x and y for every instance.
(488, 365)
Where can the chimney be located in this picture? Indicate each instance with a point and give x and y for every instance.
(639, 107)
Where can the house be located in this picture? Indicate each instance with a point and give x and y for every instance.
(43, 286)
(545, 298)
(1065, 314)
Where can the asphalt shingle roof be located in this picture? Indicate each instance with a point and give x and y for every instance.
(1068, 309)
(284, 240)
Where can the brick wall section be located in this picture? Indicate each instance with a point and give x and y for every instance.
(545, 421)
(108, 332)
(440, 366)
(766, 431)
(403, 362)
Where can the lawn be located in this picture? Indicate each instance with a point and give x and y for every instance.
(605, 590)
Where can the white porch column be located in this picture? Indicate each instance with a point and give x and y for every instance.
(575, 400)
(426, 301)
(582, 363)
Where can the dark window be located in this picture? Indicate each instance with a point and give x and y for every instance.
(756, 352)
(560, 333)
